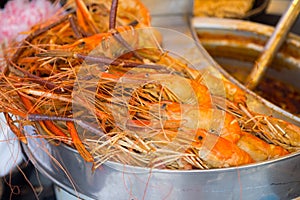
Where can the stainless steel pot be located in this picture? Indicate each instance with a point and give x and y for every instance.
(276, 179)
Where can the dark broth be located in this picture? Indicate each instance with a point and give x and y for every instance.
(278, 92)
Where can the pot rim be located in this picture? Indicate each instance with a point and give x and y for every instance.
(138, 170)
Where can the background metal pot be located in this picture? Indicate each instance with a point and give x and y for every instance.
(238, 43)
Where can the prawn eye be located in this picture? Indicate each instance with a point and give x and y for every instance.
(133, 23)
(164, 106)
(82, 44)
(200, 137)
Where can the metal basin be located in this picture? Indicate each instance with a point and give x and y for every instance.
(276, 179)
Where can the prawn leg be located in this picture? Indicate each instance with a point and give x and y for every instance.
(52, 128)
(14, 128)
(48, 124)
(85, 18)
(276, 131)
(78, 143)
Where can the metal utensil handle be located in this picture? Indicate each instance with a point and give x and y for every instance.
(273, 44)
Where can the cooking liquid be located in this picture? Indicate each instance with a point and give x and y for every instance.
(276, 91)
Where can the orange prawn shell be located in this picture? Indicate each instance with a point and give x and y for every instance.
(258, 149)
(219, 152)
(88, 44)
(141, 13)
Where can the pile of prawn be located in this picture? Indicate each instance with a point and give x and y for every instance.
(80, 81)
